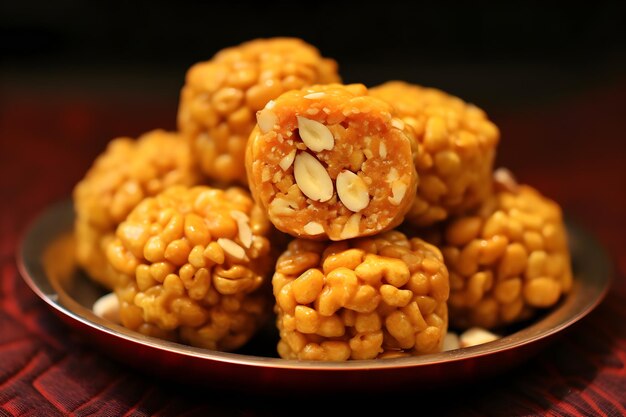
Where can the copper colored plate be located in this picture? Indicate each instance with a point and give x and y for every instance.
(47, 264)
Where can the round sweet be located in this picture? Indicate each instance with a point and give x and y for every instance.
(195, 263)
(221, 96)
(456, 148)
(329, 161)
(126, 172)
(507, 260)
(367, 298)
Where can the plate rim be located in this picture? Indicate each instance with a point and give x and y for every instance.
(28, 271)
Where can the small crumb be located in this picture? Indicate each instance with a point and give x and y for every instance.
(382, 149)
(313, 96)
(505, 180)
(397, 123)
(313, 228)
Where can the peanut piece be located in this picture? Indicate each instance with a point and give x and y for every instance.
(351, 228)
(312, 178)
(352, 191)
(232, 248)
(313, 96)
(382, 149)
(287, 160)
(397, 123)
(266, 119)
(476, 336)
(504, 179)
(243, 226)
(451, 341)
(398, 189)
(107, 307)
(313, 228)
(315, 135)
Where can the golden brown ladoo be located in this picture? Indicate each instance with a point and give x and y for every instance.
(507, 260)
(221, 96)
(331, 162)
(456, 147)
(378, 297)
(118, 180)
(195, 264)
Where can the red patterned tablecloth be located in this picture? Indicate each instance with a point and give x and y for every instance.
(574, 151)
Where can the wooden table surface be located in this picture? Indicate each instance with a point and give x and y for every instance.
(573, 149)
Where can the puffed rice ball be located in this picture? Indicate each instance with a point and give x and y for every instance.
(376, 297)
(456, 146)
(126, 172)
(507, 260)
(195, 263)
(221, 97)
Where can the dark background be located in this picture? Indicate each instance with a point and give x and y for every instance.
(492, 53)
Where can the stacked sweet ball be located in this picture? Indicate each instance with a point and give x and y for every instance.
(220, 98)
(356, 178)
(507, 258)
(376, 297)
(127, 172)
(456, 148)
(194, 261)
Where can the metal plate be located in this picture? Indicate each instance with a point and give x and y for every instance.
(46, 261)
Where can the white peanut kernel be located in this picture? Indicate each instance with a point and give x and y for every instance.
(266, 119)
(392, 175)
(313, 228)
(451, 341)
(313, 96)
(397, 123)
(243, 226)
(382, 150)
(315, 135)
(505, 180)
(107, 307)
(266, 175)
(287, 160)
(280, 207)
(352, 191)
(398, 190)
(351, 228)
(312, 178)
(476, 336)
(231, 248)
